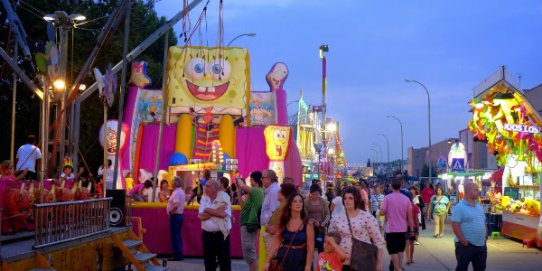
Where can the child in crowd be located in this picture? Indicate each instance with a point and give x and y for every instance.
(412, 239)
(6, 171)
(137, 191)
(332, 258)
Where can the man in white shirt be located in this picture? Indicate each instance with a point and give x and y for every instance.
(270, 203)
(27, 155)
(216, 245)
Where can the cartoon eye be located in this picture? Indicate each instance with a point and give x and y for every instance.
(195, 68)
(276, 134)
(220, 69)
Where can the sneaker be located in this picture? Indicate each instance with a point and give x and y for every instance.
(435, 235)
(417, 243)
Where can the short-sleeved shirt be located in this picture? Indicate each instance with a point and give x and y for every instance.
(440, 207)
(471, 221)
(252, 207)
(329, 261)
(209, 224)
(427, 193)
(396, 206)
(415, 213)
(27, 155)
(178, 196)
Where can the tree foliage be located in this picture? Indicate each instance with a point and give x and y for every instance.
(144, 21)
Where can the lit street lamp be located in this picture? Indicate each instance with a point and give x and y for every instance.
(242, 35)
(401, 124)
(428, 122)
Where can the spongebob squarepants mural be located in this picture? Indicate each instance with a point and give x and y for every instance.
(207, 87)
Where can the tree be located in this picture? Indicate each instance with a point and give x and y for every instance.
(144, 21)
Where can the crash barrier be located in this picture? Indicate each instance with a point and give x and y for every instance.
(60, 222)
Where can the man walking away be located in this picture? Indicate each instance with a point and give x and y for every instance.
(398, 211)
(249, 219)
(468, 222)
(215, 216)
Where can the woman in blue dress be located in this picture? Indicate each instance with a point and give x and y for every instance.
(294, 243)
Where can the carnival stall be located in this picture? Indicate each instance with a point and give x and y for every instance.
(509, 125)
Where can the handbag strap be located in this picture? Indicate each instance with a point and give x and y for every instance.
(290, 245)
(350, 226)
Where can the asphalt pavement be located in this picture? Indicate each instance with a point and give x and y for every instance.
(432, 254)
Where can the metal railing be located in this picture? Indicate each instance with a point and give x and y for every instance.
(66, 221)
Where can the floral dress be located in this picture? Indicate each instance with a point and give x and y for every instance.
(364, 227)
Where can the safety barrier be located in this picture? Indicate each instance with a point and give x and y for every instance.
(60, 222)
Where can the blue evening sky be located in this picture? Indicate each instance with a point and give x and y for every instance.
(450, 46)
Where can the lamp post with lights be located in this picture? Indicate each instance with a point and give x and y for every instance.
(401, 124)
(428, 121)
(252, 35)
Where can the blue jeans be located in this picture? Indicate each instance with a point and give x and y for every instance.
(470, 253)
(176, 225)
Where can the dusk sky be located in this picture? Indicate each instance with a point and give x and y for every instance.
(450, 46)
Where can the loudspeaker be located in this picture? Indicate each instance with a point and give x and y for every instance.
(118, 207)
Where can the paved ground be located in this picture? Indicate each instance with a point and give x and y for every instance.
(433, 254)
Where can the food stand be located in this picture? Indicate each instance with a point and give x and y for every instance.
(509, 125)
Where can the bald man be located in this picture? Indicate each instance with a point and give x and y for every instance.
(469, 224)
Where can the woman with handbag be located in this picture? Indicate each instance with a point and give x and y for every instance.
(360, 233)
(293, 247)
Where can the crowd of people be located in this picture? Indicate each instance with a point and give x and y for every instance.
(345, 228)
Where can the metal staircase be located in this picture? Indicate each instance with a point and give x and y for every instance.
(137, 253)
(40, 262)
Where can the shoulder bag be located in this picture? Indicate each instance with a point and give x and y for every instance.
(363, 255)
(276, 263)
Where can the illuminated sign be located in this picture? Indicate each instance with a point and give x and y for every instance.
(521, 128)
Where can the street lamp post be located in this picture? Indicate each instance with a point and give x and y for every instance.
(324, 48)
(387, 145)
(401, 124)
(380, 152)
(428, 122)
(245, 34)
(387, 149)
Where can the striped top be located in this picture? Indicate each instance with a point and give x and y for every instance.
(375, 201)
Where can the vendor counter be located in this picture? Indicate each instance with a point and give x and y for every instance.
(520, 226)
(155, 224)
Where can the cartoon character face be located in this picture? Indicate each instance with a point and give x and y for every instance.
(203, 76)
(281, 136)
(277, 139)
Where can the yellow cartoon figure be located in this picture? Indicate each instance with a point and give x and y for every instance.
(277, 139)
(208, 77)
